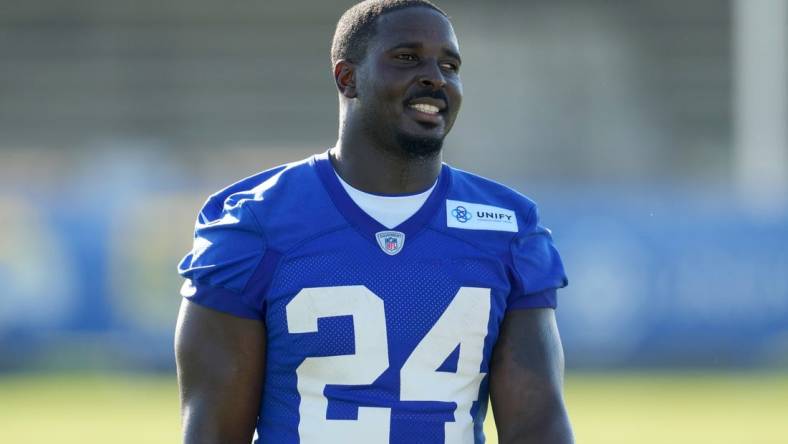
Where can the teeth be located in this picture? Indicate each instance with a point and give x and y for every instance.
(423, 107)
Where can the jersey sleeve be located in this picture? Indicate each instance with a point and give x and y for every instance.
(537, 267)
(226, 262)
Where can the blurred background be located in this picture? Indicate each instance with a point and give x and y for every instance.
(652, 133)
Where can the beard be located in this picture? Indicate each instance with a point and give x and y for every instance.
(382, 129)
(416, 147)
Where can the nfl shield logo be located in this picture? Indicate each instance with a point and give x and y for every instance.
(390, 242)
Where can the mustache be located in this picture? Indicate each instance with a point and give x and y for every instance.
(434, 94)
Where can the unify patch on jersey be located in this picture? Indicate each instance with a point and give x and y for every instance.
(473, 216)
(390, 242)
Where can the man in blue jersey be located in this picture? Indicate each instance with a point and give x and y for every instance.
(371, 293)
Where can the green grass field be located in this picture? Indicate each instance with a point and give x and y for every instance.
(620, 408)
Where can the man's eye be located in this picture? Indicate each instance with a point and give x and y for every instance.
(450, 67)
(407, 57)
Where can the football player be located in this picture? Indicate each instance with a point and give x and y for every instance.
(371, 293)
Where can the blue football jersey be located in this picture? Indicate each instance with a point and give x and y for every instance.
(375, 335)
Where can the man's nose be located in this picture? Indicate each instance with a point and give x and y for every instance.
(432, 77)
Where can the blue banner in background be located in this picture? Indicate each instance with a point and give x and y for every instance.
(657, 278)
(667, 277)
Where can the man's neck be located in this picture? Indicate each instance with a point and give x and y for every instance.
(372, 169)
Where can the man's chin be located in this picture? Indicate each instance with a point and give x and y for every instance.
(420, 147)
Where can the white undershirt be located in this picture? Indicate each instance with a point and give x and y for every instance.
(390, 211)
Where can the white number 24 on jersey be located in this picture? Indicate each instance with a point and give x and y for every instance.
(464, 323)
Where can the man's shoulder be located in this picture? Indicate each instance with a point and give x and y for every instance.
(479, 203)
(282, 201)
(263, 186)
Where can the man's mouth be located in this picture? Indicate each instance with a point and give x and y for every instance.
(425, 108)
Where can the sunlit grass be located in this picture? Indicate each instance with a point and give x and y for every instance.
(680, 408)
(88, 409)
(605, 408)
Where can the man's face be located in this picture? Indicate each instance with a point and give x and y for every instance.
(408, 86)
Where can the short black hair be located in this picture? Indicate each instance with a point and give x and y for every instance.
(356, 27)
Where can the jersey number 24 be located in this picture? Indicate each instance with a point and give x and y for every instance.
(463, 323)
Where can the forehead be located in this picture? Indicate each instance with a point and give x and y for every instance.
(414, 25)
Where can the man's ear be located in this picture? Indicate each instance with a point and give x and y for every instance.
(345, 78)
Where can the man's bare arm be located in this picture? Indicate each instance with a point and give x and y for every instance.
(221, 362)
(526, 380)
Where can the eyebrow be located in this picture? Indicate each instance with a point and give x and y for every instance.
(419, 45)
